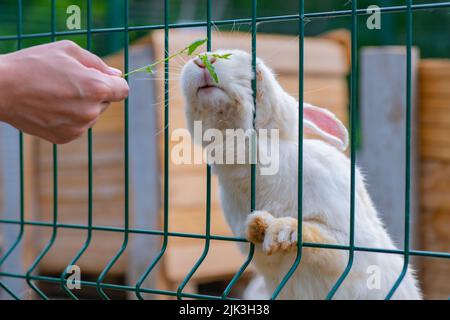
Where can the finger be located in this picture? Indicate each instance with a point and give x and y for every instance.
(118, 89)
(104, 106)
(90, 60)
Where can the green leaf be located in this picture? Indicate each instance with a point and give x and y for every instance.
(225, 56)
(209, 67)
(195, 45)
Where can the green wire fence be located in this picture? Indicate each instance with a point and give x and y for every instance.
(138, 289)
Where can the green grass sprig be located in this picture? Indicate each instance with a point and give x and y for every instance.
(209, 66)
(189, 50)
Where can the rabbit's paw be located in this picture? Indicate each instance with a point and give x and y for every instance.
(275, 234)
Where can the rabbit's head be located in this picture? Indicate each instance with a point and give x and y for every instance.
(226, 104)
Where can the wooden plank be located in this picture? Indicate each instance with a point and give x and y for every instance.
(435, 86)
(180, 260)
(325, 91)
(435, 174)
(435, 235)
(191, 190)
(436, 199)
(435, 134)
(342, 37)
(193, 221)
(437, 117)
(432, 103)
(435, 67)
(435, 180)
(438, 87)
(435, 152)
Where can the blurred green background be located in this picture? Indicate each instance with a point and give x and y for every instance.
(431, 27)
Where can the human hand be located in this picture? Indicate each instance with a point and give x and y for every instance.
(56, 91)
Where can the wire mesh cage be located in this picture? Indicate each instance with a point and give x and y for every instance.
(140, 288)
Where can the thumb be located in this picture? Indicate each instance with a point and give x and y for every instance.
(118, 88)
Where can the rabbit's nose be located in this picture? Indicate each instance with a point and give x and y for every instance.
(200, 63)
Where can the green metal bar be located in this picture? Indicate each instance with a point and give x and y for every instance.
(353, 128)
(281, 18)
(130, 230)
(126, 165)
(113, 7)
(55, 188)
(20, 235)
(409, 41)
(208, 183)
(166, 156)
(114, 286)
(90, 176)
(253, 155)
(431, 254)
(301, 26)
(254, 88)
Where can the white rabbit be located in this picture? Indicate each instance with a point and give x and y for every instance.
(326, 187)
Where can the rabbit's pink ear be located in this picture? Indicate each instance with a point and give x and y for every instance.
(325, 124)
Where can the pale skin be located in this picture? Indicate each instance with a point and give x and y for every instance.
(57, 91)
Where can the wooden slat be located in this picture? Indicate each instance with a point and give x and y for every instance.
(432, 103)
(190, 189)
(435, 67)
(181, 221)
(435, 134)
(435, 237)
(435, 174)
(435, 180)
(223, 260)
(435, 152)
(436, 87)
(439, 117)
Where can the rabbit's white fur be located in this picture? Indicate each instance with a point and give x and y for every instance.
(326, 191)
